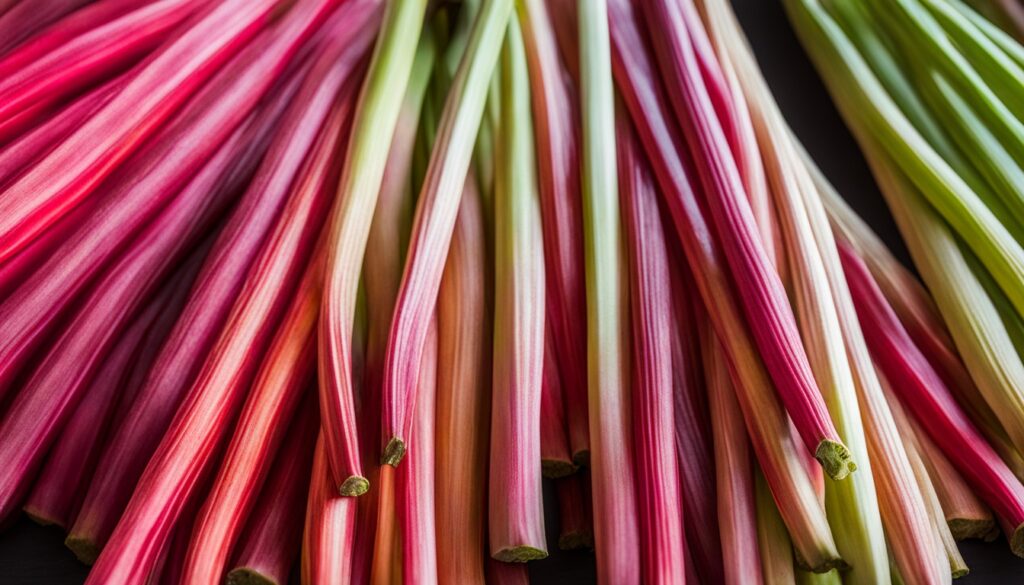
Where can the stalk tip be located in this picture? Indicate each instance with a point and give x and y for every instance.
(576, 541)
(354, 486)
(519, 554)
(835, 459)
(825, 566)
(1017, 541)
(394, 452)
(41, 518)
(556, 468)
(581, 458)
(84, 548)
(968, 528)
(248, 576)
(957, 573)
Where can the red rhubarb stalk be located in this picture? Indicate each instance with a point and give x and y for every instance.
(269, 545)
(330, 527)
(556, 123)
(923, 393)
(658, 492)
(575, 518)
(71, 173)
(759, 287)
(555, 454)
(25, 19)
(204, 420)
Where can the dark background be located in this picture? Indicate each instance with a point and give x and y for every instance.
(32, 555)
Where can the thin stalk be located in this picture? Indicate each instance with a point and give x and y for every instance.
(516, 508)
(616, 518)
(772, 539)
(463, 399)
(72, 173)
(760, 289)
(377, 115)
(557, 135)
(436, 211)
(25, 19)
(387, 562)
(217, 394)
(268, 547)
(658, 492)
(734, 468)
(575, 518)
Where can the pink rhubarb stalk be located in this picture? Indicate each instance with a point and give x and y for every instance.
(658, 492)
(25, 19)
(516, 516)
(329, 533)
(575, 518)
(555, 454)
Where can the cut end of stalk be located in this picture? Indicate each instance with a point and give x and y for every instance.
(962, 572)
(824, 567)
(394, 452)
(41, 518)
(1017, 541)
(556, 468)
(85, 549)
(835, 459)
(354, 486)
(248, 576)
(971, 528)
(576, 541)
(581, 458)
(519, 554)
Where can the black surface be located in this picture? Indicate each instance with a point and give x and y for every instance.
(32, 555)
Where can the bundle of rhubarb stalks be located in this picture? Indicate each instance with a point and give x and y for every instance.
(324, 289)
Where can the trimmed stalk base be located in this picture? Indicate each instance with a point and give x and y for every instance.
(835, 459)
(394, 452)
(965, 529)
(247, 576)
(41, 518)
(354, 486)
(519, 554)
(85, 549)
(581, 459)
(826, 566)
(1017, 541)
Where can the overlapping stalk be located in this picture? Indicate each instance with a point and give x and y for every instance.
(436, 211)
(616, 522)
(766, 421)
(217, 394)
(758, 285)
(26, 18)
(71, 173)
(555, 452)
(650, 301)
(516, 508)
(376, 117)
(574, 512)
(555, 120)
(773, 542)
(330, 527)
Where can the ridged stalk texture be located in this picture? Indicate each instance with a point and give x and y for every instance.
(759, 287)
(516, 508)
(25, 19)
(772, 539)
(650, 300)
(436, 210)
(616, 519)
(330, 527)
(377, 115)
(575, 516)
(555, 452)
